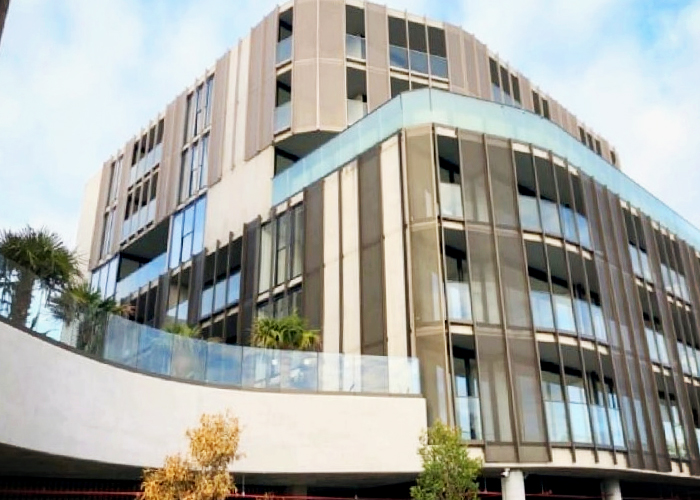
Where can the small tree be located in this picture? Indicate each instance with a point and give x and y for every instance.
(203, 473)
(289, 332)
(449, 473)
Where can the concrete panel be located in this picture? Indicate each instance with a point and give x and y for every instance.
(218, 119)
(228, 150)
(331, 264)
(350, 259)
(378, 88)
(99, 215)
(86, 224)
(252, 185)
(305, 29)
(456, 60)
(268, 78)
(135, 419)
(394, 262)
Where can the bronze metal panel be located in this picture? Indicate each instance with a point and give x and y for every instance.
(268, 81)
(249, 280)
(456, 60)
(376, 27)
(99, 216)
(472, 71)
(305, 30)
(482, 65)
(331, 95)
(331, 30)
(313, 255)
(170, 165)
(257, 39)
(121, 195)
(218, 122)
(305, 96)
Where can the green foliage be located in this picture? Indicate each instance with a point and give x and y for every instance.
(183, 329)
(81, 306)
(449, 473)
(42, 253)
(289, 332)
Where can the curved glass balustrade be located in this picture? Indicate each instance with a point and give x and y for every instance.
(148, 350)
(469, 113)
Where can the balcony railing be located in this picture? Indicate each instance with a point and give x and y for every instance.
(398, 57)
(284, 50)
(356, 110)
(469, 417)
(355, 47)
(283, 117)
(148, 350)
(438, 66)
(459, 305)
(142, 276)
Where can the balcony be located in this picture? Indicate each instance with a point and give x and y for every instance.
(356, 110)
(284, 50)
(283, 117)
(398, 57)
(355, 47)
(419, 62)
(223, 294)
(451, 201)
(438, 66)
(141, 277)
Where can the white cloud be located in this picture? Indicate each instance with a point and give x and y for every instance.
(627, 71)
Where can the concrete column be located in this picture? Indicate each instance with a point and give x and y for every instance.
(513, 485)
(611, 489)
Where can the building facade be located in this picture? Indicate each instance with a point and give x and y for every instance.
(413, 196)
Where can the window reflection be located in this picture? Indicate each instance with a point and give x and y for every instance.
(187, 232)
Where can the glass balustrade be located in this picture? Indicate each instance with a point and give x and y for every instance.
(599, 323)
(550, 218)
(580, 423)
(555, 413)
(356, 110)
(283, 117)
(223, 294)
(398, 57)
(459, 306)
(451, 200)
(142, 276)
(542, 312)
(583, 232)
(438, 66)
(601, 431)
(651, 343)
(419, 61)
(284, 50)
(469, 417)
(355, 47)
(150, 350)
(529, 213)
(616, 428)
(568, 219)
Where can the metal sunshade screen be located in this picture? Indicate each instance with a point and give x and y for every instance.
(313, 255)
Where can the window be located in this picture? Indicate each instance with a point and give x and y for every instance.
(209, 95)
(495, 82)
(598, 149)
(282, 246)
(107, 231)
(194, 168)
(104, 278)
(275, 251)
(613, 158)
(516, 89)
(187, 233)
(582, 134)
(536, 103)
(198, 114)
(115, 171)
(545, 108)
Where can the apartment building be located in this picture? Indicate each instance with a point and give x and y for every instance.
(415, 197)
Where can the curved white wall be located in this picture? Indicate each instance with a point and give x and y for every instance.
(58, 402)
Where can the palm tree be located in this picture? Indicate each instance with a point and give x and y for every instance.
(78, 303)
(289, 332)
(183, 329)
(34, 255)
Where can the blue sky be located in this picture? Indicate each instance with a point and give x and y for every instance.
(79, 77)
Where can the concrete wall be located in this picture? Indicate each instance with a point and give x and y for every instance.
(65, 404)
(86, 223)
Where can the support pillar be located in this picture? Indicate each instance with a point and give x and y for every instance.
(513, 485)
(611, 489)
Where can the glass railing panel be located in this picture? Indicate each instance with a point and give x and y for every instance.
(542, 312)
(261, 368)
(158, 154)
(151, 211)
(555, 413)
(697, 435)
(646, 270)
(663, 352)
(600, 425)
(419, 61)
(283, 117)
(583, 232)
(404, 377)
(685, 367)
(583, 318)
(375, 374)
(132, 174)
(220, 295)
(150, 160)
(692, 360)
(356, 110)
(451, 200)
(122, 341)
(224, 364)
(670, 439)
(438, 66)
(569, 221)
(634, 257)
(330, 371)
(550, 218)
(189, 358)
(142, 276)
(355, 46)
(284, 50)
(529, 213)
(207, 302)
(616, 428)
(398, 57)
(469, 418)
(299, 370)
(580, 423)
(351, 366)
(459, 305)
(564, 313)
(651, 343)
(155, 351)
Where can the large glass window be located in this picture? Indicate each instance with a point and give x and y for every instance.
(195, 164)
(104, 278)
(450, 178)
(187, 232)
(459, 306)
(199, 105)
(281, 240)
(466, 390)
